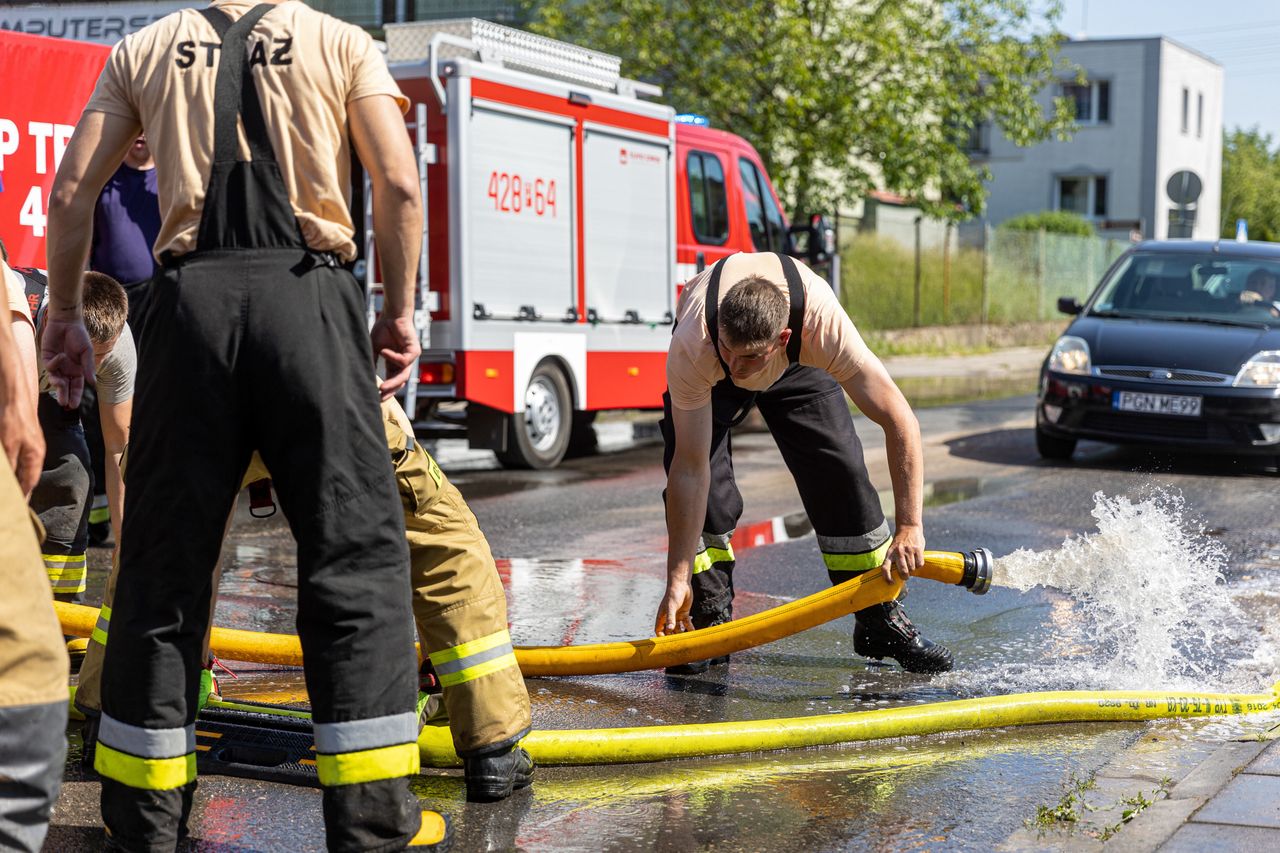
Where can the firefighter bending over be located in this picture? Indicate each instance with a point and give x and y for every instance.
(777, 338)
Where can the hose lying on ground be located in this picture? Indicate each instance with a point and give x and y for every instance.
(971, 570)
(661, 743)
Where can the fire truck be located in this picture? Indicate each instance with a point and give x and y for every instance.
(564, 205)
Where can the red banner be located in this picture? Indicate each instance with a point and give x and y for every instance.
(47, 82)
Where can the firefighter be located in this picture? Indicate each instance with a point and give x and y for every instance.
(63, 496)
(254, 340)
(33, 661)
(774, 336)
(461, 613)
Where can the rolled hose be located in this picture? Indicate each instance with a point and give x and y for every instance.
(971, 570)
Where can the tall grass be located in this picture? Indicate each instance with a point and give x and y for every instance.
(878, 284)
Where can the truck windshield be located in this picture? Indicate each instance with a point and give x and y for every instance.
(1189, 287)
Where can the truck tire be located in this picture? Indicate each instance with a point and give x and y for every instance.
(1052, 447)
(539, 436)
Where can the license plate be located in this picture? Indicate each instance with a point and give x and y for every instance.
(1156, 404)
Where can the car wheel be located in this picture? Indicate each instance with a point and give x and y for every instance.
(1052, 447)
(539, 436)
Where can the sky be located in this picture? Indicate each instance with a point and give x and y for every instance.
(1242, 35)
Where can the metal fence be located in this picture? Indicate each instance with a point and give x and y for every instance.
(1014, 277)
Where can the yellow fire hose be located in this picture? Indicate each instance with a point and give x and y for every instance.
(661, 743)
(971, 570)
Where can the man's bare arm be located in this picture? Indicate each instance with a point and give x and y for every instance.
(94, 153)
(878, 397)
(24, 338)
(382, 143)
(688, 482)
(115, 419)
(20, 433)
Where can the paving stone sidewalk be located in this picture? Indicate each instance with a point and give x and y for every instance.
(1229, 802)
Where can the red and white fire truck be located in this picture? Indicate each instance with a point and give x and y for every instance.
(563, 210)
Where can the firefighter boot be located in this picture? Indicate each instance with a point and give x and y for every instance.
(884, 631)
(493, 774)
(703, 620)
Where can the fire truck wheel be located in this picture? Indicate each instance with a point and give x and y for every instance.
(539, 436)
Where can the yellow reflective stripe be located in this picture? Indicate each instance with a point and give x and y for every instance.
(101, 627)
(99, 514)
(370, 765)
(708, 558)
(149, 774)
(53, 559)
(480, 670)
(857, 562)
(466, 650)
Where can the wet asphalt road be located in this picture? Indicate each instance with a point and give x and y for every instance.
(581, 552)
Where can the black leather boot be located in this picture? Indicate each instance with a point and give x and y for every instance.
(493, 776)
(884, 631)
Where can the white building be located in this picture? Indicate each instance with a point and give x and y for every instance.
(1149, 108)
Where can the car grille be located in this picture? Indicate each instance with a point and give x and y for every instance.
(1147, 425)
(1176, 375)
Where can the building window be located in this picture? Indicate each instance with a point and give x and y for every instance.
(1199, 115)
(979, 138)
(708, 205)
(1092, 100)
(1186, 109)
(1082, 194)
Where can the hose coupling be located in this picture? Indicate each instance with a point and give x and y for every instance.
(977, 571)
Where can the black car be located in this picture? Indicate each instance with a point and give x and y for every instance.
(1179, 347)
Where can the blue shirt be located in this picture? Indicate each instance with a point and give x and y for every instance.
(126, 222)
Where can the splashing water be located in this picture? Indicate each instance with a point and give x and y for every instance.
(1147, 607)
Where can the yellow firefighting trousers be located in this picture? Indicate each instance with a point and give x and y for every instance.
(33, 678)
(458, 602)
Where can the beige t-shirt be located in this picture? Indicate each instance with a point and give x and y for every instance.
(828, 338)
(308, 67)
(16, 293)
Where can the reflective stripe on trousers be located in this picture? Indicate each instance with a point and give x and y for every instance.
(149, 759)
(100, 512)
(855, 553)
(367, 750)
(713, 548)
(101, 627)
(67, 572)
(474, 659)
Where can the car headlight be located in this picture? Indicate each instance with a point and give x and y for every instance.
(1261, 371)
(1070, 355)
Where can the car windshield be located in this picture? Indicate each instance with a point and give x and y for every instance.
(1180, 286)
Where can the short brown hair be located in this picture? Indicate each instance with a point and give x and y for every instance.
(105, 307)
(753, 312)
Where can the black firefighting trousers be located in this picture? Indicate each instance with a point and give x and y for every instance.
(809, 418)
(261, 349)
(62, 499)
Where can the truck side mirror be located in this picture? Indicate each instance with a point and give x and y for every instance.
(1069, 305)
(814, 242)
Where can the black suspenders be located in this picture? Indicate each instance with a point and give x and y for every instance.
(246, 203)
(795, 322)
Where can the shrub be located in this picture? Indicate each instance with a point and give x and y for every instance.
(1052, 221)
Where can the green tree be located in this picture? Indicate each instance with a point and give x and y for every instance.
(841, 96)
(1250, 184)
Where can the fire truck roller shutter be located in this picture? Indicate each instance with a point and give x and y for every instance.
(550, 372)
